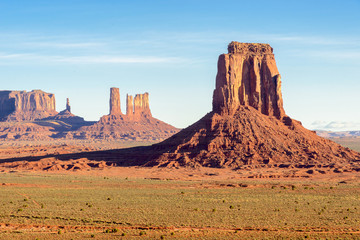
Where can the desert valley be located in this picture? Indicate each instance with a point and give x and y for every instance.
(245, 170)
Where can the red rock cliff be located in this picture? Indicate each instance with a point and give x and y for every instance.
(22, 105)
(248, 76)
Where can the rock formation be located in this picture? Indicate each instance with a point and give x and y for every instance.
(137, 124)
(138, 107)
(68, 108)
(129, 105)
(115, 108)
(248, 76)
(22, 105)
(74, 122)
(247, 126)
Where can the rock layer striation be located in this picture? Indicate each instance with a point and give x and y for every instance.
(248, 76)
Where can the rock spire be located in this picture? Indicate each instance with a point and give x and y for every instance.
(129, 105)
(115, 101)
(68, 108)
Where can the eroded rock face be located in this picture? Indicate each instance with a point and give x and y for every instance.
(137, 124)
(141, 105)
(248, 126)
(115, 108)
(248, 76)
(68, 108)
(22, 105)
(129, 105)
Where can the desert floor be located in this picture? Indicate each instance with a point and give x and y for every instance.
(166, 203)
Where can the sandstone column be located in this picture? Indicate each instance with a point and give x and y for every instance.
(114, 101)
(129, 105)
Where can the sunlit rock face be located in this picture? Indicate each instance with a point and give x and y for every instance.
(247, 75)
(23, 106)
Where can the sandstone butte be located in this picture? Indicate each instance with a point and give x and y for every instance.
(25, 106)
(31, 116)
(247, 125)
(137, 124)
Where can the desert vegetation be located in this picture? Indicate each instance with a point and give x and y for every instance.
(39, 205)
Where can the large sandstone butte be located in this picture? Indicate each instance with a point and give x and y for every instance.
(137, 124)
(24, 106)
(248, 125)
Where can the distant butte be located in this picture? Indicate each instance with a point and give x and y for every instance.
(137, 124)
(32, 116)
(25, 106)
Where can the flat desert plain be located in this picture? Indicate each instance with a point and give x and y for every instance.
(168, 203)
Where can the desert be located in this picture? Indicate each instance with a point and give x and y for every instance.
(145, 134)
(245, 170)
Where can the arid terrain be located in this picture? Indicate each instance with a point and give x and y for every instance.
(154, 203)
(245, 170)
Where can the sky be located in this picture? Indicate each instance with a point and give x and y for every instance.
(80, 48)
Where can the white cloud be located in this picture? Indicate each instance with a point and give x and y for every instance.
(113, 59)
(335, 125)
(64, 44)
(102, 59)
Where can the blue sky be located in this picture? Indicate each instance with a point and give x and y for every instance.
(81, 48)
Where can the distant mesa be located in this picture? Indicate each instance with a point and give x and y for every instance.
(247, 125)
(26, 106)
